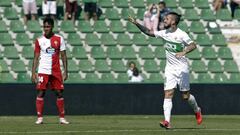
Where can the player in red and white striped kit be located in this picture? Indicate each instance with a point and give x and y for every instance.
(48, 48)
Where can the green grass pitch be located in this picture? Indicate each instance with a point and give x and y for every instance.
(120, 125)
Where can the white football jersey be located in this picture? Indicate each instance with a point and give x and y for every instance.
(175, 42)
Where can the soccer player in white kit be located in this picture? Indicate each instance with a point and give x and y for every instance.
(48, 48)
(177, 45)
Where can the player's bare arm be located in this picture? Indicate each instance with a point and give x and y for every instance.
(34, 67)
(65, 64)
(141, 27)
(187, 50)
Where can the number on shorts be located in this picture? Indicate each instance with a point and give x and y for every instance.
(40, 79)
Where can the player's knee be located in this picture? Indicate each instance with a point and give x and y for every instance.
(59, 94)
(169, 93)
(185, 95)
(185, 98)
(40, 94)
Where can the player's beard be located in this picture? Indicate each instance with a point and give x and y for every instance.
(48, 33)
(167, 26)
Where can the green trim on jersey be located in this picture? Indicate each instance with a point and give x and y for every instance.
(173, 46)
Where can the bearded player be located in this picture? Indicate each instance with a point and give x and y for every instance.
(178, 44)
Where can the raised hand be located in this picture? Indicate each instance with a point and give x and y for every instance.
(65, 76)
(132, 20)
(34, 78)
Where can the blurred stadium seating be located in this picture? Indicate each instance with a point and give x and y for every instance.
(99, 51)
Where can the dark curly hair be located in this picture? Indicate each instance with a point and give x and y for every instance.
(135, 72)
(49, 21)
(176, 16)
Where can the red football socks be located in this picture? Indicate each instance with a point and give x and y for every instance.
(60, 106)
(39, 106)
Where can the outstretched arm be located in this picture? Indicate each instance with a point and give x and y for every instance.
(141, 27)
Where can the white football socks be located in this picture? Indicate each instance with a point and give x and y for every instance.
(193, 103)
(167, 108)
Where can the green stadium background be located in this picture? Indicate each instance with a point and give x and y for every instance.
(98, 52)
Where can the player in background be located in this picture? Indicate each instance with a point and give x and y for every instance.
(178, 44)
(48, 47)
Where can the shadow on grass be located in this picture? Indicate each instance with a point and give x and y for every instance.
(188, 128)
(57, 123)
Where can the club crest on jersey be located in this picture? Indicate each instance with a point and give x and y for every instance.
(50, 50)
(55, 43)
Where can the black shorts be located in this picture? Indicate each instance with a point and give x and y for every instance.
(90, 7)
(71, 7)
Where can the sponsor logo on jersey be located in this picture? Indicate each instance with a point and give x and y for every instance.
(50, 50)
(173, 47)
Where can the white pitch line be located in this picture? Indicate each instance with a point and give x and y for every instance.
(119, 131)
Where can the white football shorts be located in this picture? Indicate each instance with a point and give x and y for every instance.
(49, 8)
(174, 77)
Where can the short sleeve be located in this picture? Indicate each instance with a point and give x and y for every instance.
(186, 39)
(159, 33)
(62, 46)
(37, 47)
